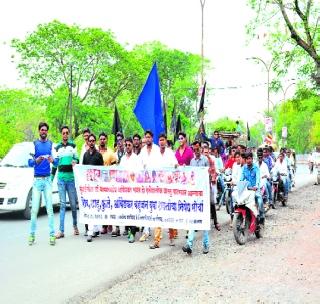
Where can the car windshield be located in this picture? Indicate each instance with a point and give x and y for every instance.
(18, 156)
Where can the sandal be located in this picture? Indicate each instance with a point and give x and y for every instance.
(75, 230)
(59, 235)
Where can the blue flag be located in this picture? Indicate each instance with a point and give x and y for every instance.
(148, 109)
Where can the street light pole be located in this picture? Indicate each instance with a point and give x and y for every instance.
(268, 69)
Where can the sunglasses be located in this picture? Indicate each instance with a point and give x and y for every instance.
(43, 130)
(65, 133)
(128, 145)
(181, 138)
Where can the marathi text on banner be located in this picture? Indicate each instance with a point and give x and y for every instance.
(169, 198)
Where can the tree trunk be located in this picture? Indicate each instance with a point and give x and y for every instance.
(76, 126)
(316, 75)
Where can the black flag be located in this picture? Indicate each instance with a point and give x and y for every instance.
(178, 128)
(165, 116)
(248, 132)
(201, 106)
(201, 130)
(116, 126)
(173, 120)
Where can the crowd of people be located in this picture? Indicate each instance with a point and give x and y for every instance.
(140, 152)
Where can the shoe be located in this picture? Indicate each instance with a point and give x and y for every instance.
(217, 226)
(31, 240)
(125, 233)
(75, 230)
(131, 238)
(86, 233)
(154, 246)
(52, 240)
(261, 221)
(104, 230)
(205, 250)
(172, 242)
(271, 205)
(59, 235)
(114, 234)
(144, 237)
(96, 234)
(187, 249)
(89, 238)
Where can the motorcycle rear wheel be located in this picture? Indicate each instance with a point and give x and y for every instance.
(240, 234)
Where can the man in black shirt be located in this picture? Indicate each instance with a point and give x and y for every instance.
(94, 158)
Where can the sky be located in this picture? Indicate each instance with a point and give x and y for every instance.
(175, 23)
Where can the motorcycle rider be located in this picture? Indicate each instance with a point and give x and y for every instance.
(265, 177)
(281, 166)
(251, 174)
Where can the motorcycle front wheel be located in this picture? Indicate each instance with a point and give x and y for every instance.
(240, 233)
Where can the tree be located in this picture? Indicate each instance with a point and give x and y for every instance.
(301, 116)
(19, 118)
(293, 24)
(56, 52)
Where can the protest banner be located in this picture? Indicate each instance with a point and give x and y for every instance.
(169, 198)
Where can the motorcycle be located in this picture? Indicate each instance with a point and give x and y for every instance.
(225, 197)
(245, 219)
(277, 188)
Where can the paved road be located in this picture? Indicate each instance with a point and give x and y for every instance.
(46, 274)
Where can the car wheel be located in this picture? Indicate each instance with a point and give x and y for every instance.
(27, 209)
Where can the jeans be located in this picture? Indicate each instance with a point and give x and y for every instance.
(285, 181)
(205, 238)
(64, 187)
(268, 189)
(41, 184)
(259, 201)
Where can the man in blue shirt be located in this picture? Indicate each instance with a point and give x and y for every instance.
(215, 141)
(42, 181)
(251, 174)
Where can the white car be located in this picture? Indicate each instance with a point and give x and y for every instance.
(16, 180)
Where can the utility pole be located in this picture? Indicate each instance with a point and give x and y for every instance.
(202, 2)
(70, 100)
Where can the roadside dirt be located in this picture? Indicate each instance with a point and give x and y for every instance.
(282, 267)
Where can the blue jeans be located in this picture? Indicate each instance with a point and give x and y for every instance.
(41, 184)
(268, 189)
(64, 187)
(205, 238)
(285, 181)
(259, 201)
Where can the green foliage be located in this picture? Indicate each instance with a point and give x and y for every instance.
(224, 124)
(19, 118)
(291, 34)
(62, 61)
(301, 116)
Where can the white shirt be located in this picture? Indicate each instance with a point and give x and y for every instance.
(150, 159)
(282, 168)
(218, 163)
(264, 171)
(132, 163)
(168, 158)
(236, 173)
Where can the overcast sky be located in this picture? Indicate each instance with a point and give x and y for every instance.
(176, 23)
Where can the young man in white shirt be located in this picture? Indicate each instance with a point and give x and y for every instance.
(281, 166)
(149, 155)
(265, 177)
(167, 160)
(131, 162)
